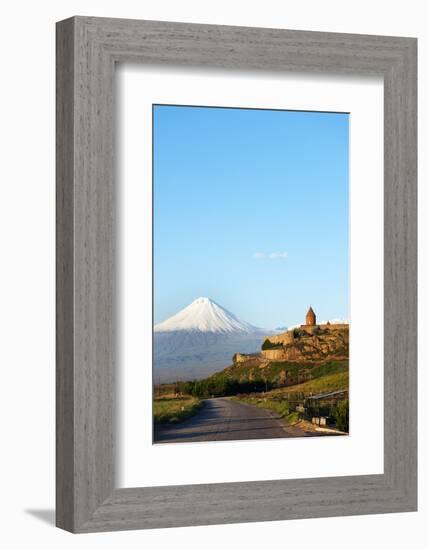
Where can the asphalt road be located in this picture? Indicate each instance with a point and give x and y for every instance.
(222, 419)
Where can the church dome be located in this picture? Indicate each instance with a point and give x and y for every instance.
(311, 318)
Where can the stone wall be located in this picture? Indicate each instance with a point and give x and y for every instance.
(341, 326)
(249, 360)
(273, 354)
(283, 338)
(241, 358)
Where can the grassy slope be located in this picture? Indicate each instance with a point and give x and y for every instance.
(277, 400)
(250, 378)
(175, 409)
(274, 369)
(326, 383)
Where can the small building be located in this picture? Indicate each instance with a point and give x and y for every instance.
(310, 325)
(310, 321)
(311, 318)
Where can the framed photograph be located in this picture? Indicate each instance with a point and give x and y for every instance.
(244, 179)
(236, 274)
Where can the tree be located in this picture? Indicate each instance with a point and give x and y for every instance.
(340, 413)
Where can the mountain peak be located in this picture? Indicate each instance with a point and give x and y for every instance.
(204, 315)
(202, 300)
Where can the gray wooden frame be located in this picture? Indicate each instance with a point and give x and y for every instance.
(87, 50)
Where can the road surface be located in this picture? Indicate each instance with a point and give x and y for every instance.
(223, 419)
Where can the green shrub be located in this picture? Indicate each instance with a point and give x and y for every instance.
(267, 344)
(340, 413)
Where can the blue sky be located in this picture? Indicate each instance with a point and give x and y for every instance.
(251, 210)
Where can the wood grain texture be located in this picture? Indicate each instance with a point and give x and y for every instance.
(64, 276)
(87, 49)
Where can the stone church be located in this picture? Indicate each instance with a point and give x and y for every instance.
(311, 318)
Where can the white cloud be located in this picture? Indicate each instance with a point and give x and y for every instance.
(278, 255)
(270, 256)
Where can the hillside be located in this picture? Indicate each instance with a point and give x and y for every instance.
(243, 378)
(286, 360)
(308, 343)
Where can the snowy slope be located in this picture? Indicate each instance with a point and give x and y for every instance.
(204, 315)
(199, 340)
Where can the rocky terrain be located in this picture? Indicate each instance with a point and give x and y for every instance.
(295, 356)
(308, 343)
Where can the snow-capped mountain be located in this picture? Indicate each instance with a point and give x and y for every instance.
(204, 315)
(199, 340)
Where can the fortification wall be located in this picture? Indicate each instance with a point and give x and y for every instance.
(241, 358)
(273, 354)
(283, 338)
(342, 326)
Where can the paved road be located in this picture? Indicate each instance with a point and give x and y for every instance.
(222, 419)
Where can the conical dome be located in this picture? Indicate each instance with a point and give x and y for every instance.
(311, 318)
